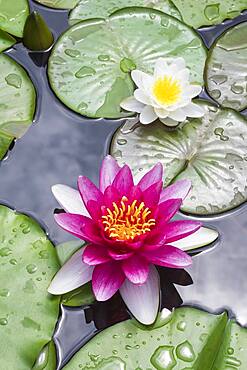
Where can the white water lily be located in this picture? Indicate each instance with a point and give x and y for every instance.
(167, 94)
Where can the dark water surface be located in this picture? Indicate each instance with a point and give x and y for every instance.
(61, 145)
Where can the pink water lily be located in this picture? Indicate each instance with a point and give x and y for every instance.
(129, 230)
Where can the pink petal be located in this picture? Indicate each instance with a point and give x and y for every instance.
(80, 226)
(151, 177)
(151, 195)
(143, 300)
(108, 172)
(111, 195)
(136, 269)
(95, 255)
(118, 255)
(73, 274)
(107, 279)
(180, 229)
(168, 209)
(179, 189)
(169, 256)
(123, 182)
(69, 199)
(89, 192)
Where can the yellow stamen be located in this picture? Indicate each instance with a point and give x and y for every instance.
(127, 221)
(167, 90)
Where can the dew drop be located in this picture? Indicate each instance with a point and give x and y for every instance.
(3, 321)
(181, 326)
(14, 80)
(84, 72)
(127, 65)
(237, 89)
(31, 269)
(122, 141)
(216, 94)
(103, 58)
(13, 261)
(73, 53)
(82, 106)
(218, 79)
(58, 60)
(163, 358)
(43, 254)
(233, 361)
(185, 352)
(212, 11)
(4, 293)
(230, 351)
(5, 251)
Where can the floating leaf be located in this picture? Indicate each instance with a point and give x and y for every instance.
(47, 359)
(226, 68)
(85, 64)
(59, 4)
(36, 35)
(211, 152)
(188, 339)
(27, 312)
(103, 8)
(207, 12)
(6, 41)
(17, 102)
(13, 15)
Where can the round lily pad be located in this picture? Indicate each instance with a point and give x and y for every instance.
(103, 8)
(6, 41)
(90, 65)
(197, 13)
(28, 313)
(13, 15)
(226, 68)
(17, 102)
(59, 4)
(211, 152)
(187, 339)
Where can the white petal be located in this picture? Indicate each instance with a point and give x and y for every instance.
(142, 97)
(202, 237)
(194, 110)
(161, 67)
(193, 90)
(183, 75)
(140, 78)
(147, 115)
(178, 115)
(73, 274)
(69, 199)
(161, 113)
(143, 300)
(177, 64)
(169, 122)
(132, 105)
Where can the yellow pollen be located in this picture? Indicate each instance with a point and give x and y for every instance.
(167, 90)
(127, 220)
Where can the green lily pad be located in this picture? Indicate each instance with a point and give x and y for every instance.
(13, 15)
(27, 312)
(6, 41)
(191, 340)
(59, 4)
(226, 68)
(90, 64)
(211, 152)
(197, 13)
(17, 102)
(103, 8)
(47, 359)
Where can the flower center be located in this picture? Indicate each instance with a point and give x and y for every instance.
(167, 90)
(127, 220)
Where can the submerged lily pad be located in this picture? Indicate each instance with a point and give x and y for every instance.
(226, 68)
(27, 312)
(17, 102)
(103, 8)
(13, 15)
(191, 339)
(90, 64)
(6, 41)
(211, 152)
(197, 13)
(59, 4)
